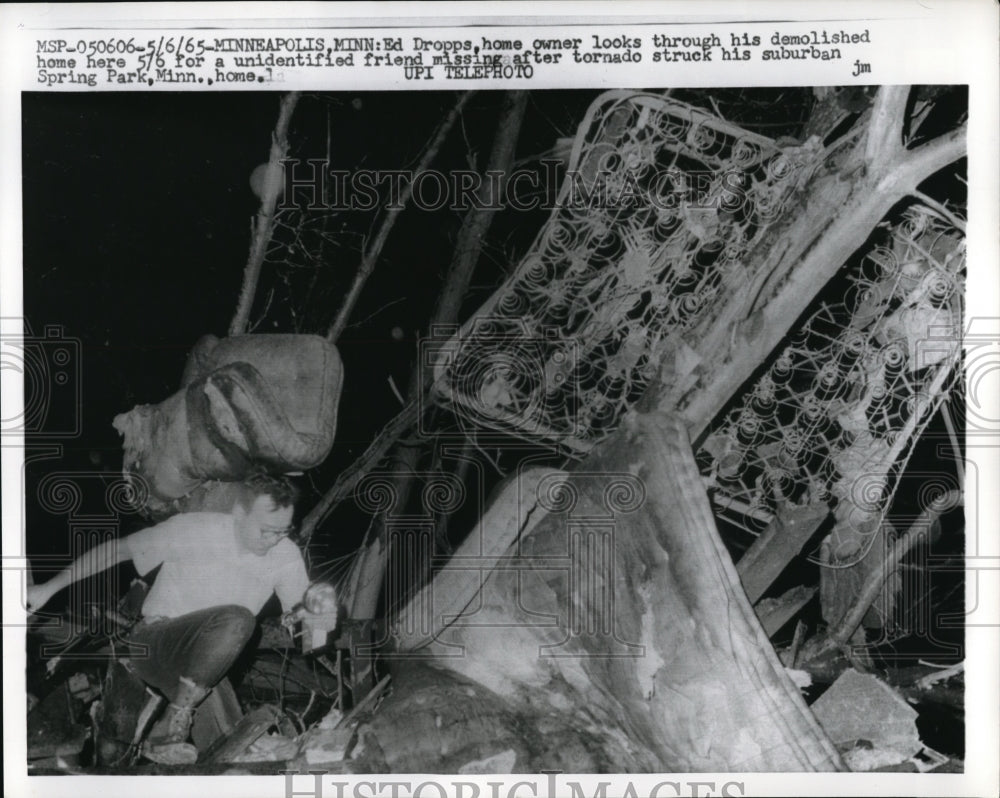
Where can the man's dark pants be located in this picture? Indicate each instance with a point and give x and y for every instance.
(201, 646)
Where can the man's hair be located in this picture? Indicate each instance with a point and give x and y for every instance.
(281, 490)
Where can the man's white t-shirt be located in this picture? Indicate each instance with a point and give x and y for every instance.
(205, 566)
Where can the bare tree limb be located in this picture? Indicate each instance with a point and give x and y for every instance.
(409, 415)
(477, 223)
(349, 478)
(875, 582)
(885, 129)
(264, 228)
(372, 253)
(475, 226)
(923, 161)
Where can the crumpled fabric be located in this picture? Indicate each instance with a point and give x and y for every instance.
(248, 403)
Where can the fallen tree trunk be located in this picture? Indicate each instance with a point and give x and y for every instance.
(624, 613)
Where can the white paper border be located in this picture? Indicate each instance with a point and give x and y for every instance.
(947, 41)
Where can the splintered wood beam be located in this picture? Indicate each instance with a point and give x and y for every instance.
(775, 613)
(777, 546)
(247, 731)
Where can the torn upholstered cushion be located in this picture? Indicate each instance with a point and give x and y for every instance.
(248, 403)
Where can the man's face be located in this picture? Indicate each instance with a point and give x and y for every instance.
(261, 527)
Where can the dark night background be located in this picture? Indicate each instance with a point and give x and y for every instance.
(137, 210)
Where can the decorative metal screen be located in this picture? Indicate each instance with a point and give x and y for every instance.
(834, 418)
(661, 202)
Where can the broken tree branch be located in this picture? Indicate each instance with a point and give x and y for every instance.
(349, 479)
(372, 252)
(264, 228)
(365, 703)
(885, 130)
(477, 222)
(475, 226)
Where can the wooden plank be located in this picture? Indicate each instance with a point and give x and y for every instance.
(777, 546)
(253, 725)
(775, 613)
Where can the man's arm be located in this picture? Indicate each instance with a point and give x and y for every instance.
(291, 580)
(92, 562)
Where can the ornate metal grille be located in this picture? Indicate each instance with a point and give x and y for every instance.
(834, 418)
(661, 202)
(659, 208)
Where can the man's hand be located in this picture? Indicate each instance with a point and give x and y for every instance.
(90, 563)
(318, 614)
(38, 596)
(289, 619)
(320, 599)
(329, 617)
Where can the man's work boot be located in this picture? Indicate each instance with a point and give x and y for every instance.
(153, 704)
(168, 741)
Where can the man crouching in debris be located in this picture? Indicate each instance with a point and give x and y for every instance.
(218, 571)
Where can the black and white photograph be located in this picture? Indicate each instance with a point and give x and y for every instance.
(487, 431)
